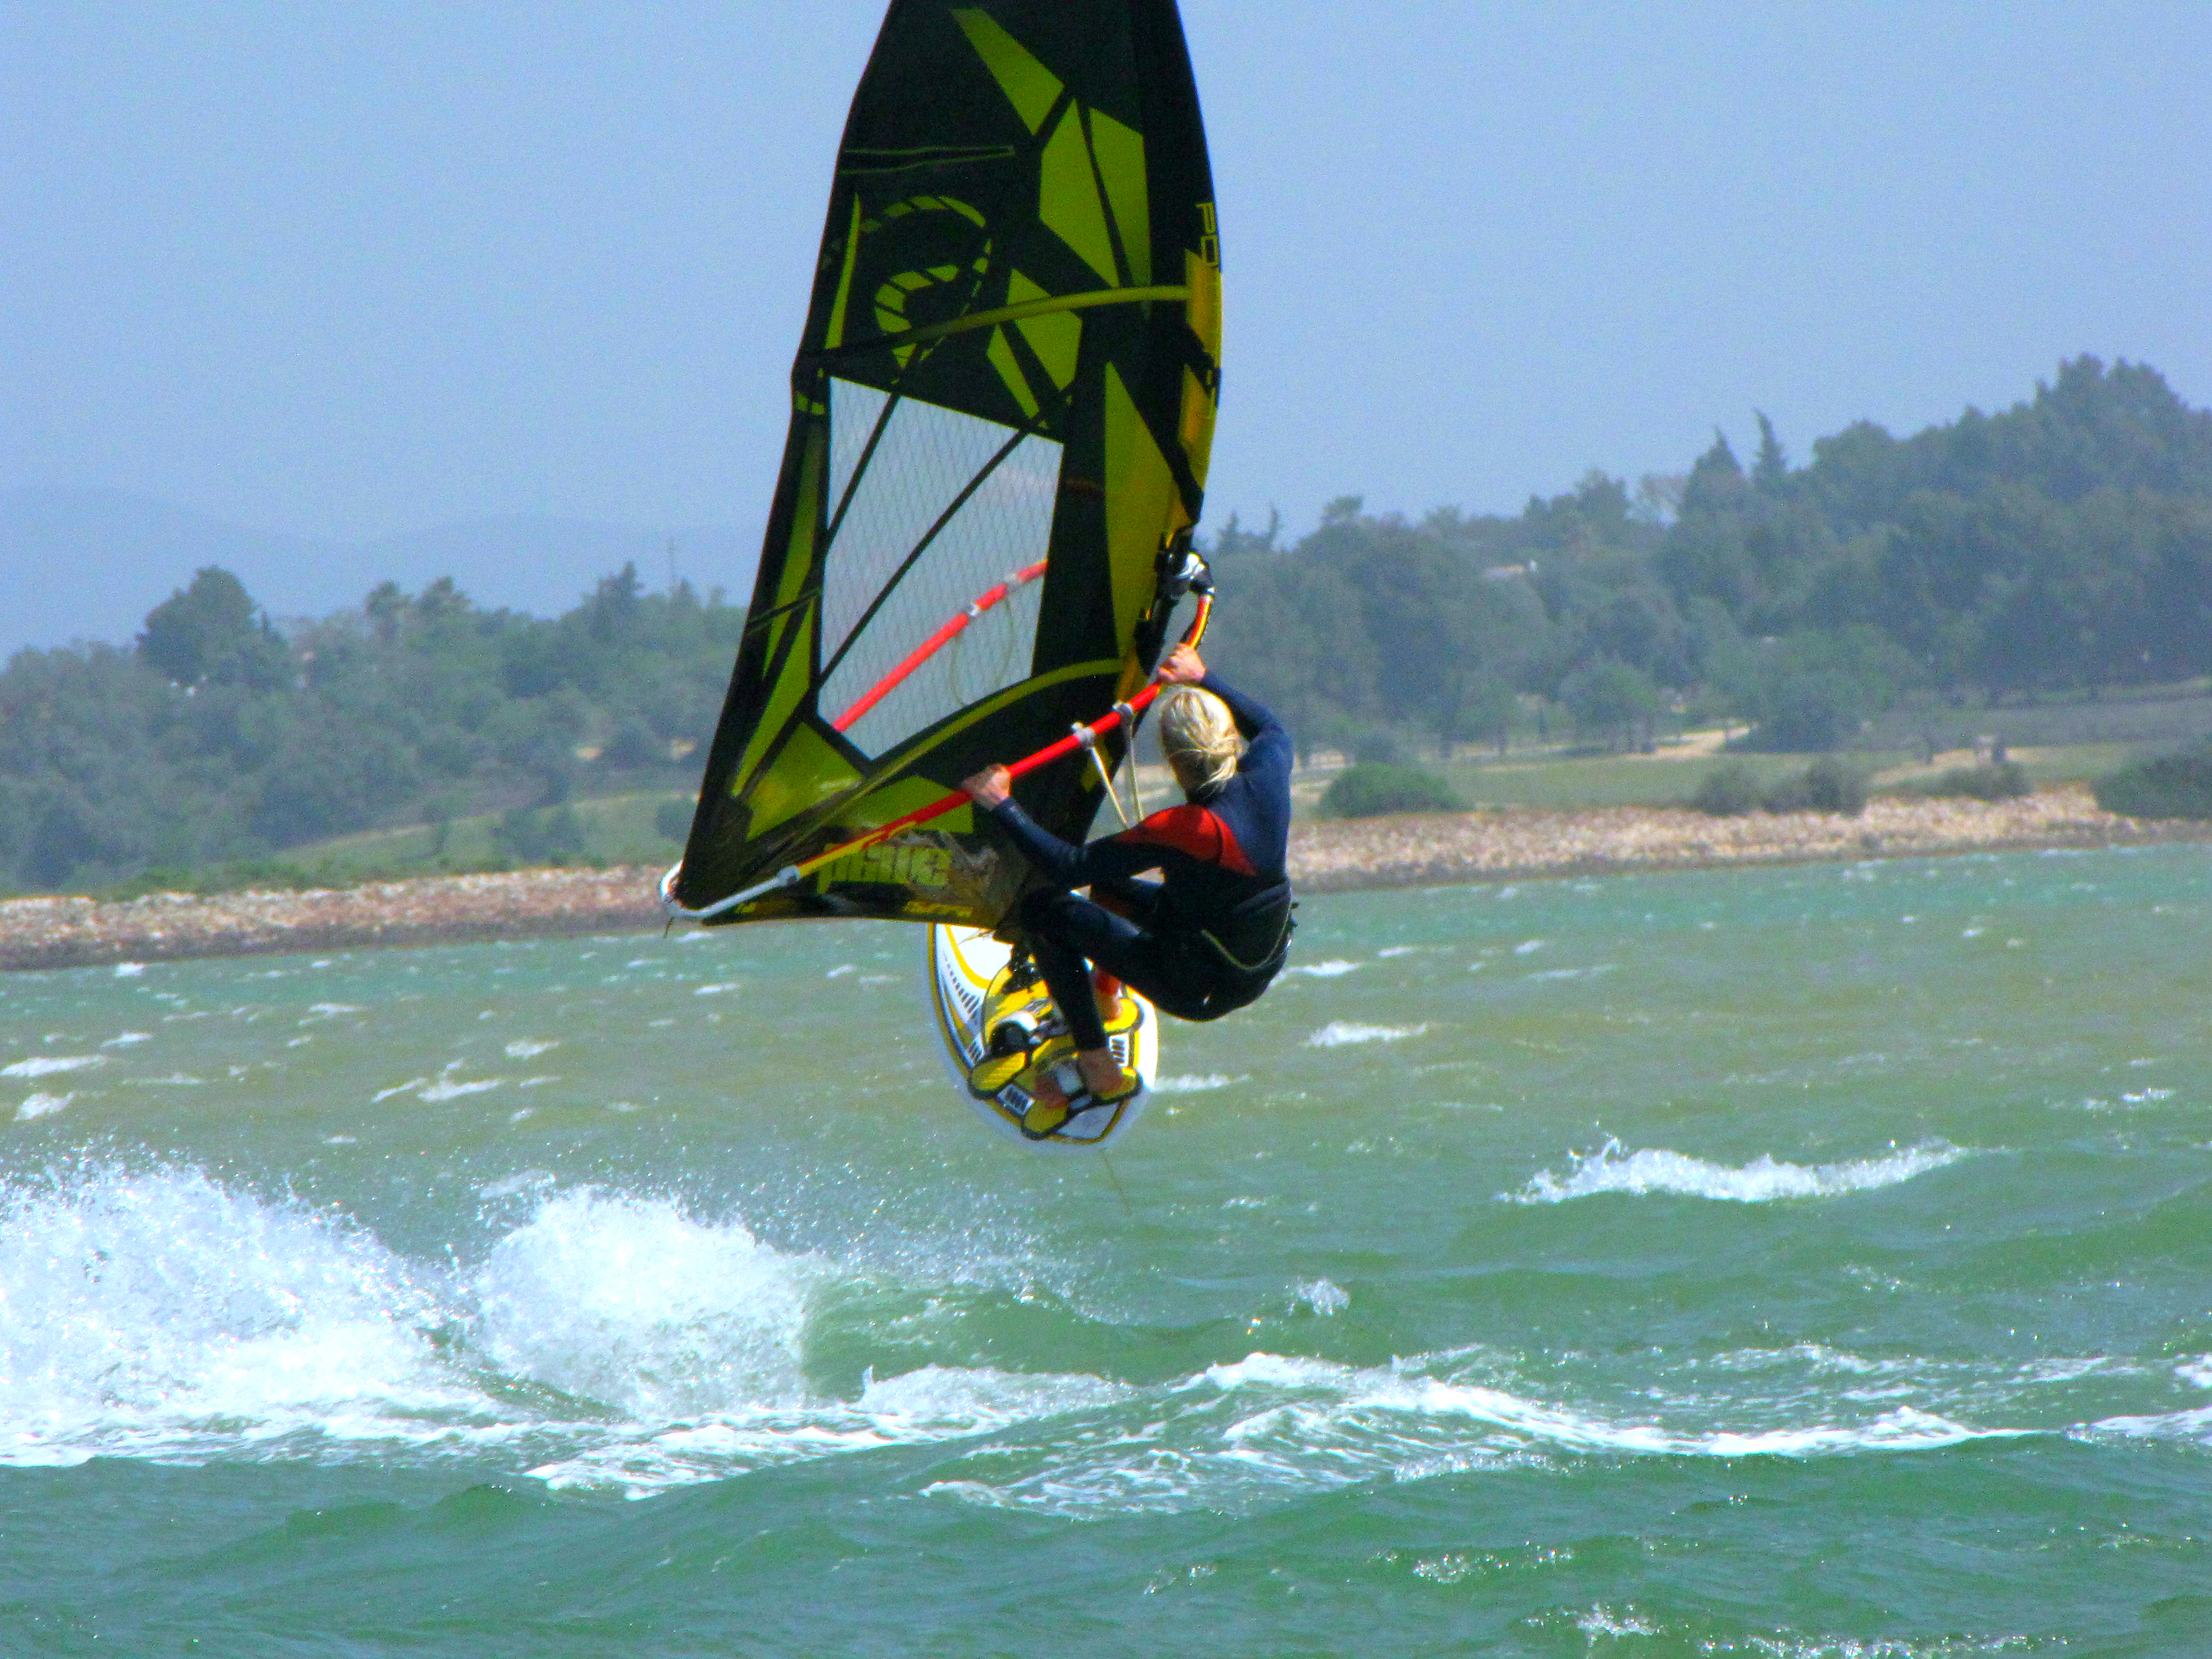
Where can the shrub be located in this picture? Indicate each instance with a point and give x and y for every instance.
(1996, 780)
(2160, 786)
(544, 834)
(1727, 791)
(1827, 786)
(1371, 789)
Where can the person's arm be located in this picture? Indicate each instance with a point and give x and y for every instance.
(1268, 741)
(1268, 737)
(1068, 865)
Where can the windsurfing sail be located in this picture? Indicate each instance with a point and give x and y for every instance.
(1002, 406)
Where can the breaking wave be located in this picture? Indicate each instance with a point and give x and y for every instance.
(1244, 1432)
(608, 1340)
(621, 1342)
(1763, 1181)
(1339, 1032)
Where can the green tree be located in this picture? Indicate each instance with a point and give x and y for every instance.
(1770, 471)
(212, 631)
(1612, 699)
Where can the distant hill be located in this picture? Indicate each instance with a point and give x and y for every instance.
(88, 564)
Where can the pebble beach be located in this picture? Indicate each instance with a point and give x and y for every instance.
(1420, 850)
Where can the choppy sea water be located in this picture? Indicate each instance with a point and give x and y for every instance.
(1792, 1263)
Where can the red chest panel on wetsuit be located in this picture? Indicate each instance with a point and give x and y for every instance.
(1195, 833)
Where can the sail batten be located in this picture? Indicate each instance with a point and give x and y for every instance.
(994, 395)
(1012, 313)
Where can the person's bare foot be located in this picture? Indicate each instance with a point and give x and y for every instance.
(1048, 1094)
(1101, 1072)
(1049, 1107)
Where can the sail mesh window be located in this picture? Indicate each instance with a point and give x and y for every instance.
(905, 491)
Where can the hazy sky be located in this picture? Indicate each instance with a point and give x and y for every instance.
(348, 269)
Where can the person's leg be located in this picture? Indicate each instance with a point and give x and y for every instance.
(1063, 931)
(1129, 897)
(1135, 901)
(1174, 980)
(1065, 935)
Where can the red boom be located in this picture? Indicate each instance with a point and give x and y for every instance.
(935, 643)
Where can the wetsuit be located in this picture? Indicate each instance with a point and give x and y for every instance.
(1206, 939)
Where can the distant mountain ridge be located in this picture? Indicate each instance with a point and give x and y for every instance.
(88, 564)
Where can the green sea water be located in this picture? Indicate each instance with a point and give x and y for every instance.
(1788, 1263)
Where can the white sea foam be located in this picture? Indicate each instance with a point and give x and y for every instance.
(1602, 1620)
(1192, 1084)
(1324, 1298)
(160, 1313)
(128, 969)
(1348, 1392)
(41, 1105)
(622, 1342)
(967, 1402)
(631, 1303)
(1339, 1032)
(1335, 968)
(2193, 1426)
(1270, 1423)
(2197, 1371)
(934, 1403)
(127, 1039)
(1655, 1169)
(1577, 973)
(47, 1065)
(526, 1048)
(446, 1088)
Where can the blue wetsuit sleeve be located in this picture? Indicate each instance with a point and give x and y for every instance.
(1068, 865)
(1268, 757)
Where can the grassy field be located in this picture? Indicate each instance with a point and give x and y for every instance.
(614, 829)
(606, 830)
(1562, 780)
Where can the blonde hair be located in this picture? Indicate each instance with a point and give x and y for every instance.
(1200, 739)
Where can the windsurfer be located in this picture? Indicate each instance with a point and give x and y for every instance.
(1207, 938)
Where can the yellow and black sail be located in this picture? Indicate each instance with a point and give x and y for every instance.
(1011, 359)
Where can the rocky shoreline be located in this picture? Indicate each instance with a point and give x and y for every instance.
(74, 932)
(1413, 851)
(1514, 843)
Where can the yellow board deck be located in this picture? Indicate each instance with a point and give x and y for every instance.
(972, 996)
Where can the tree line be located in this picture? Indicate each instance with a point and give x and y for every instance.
(217, 737)
(2062, 543)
